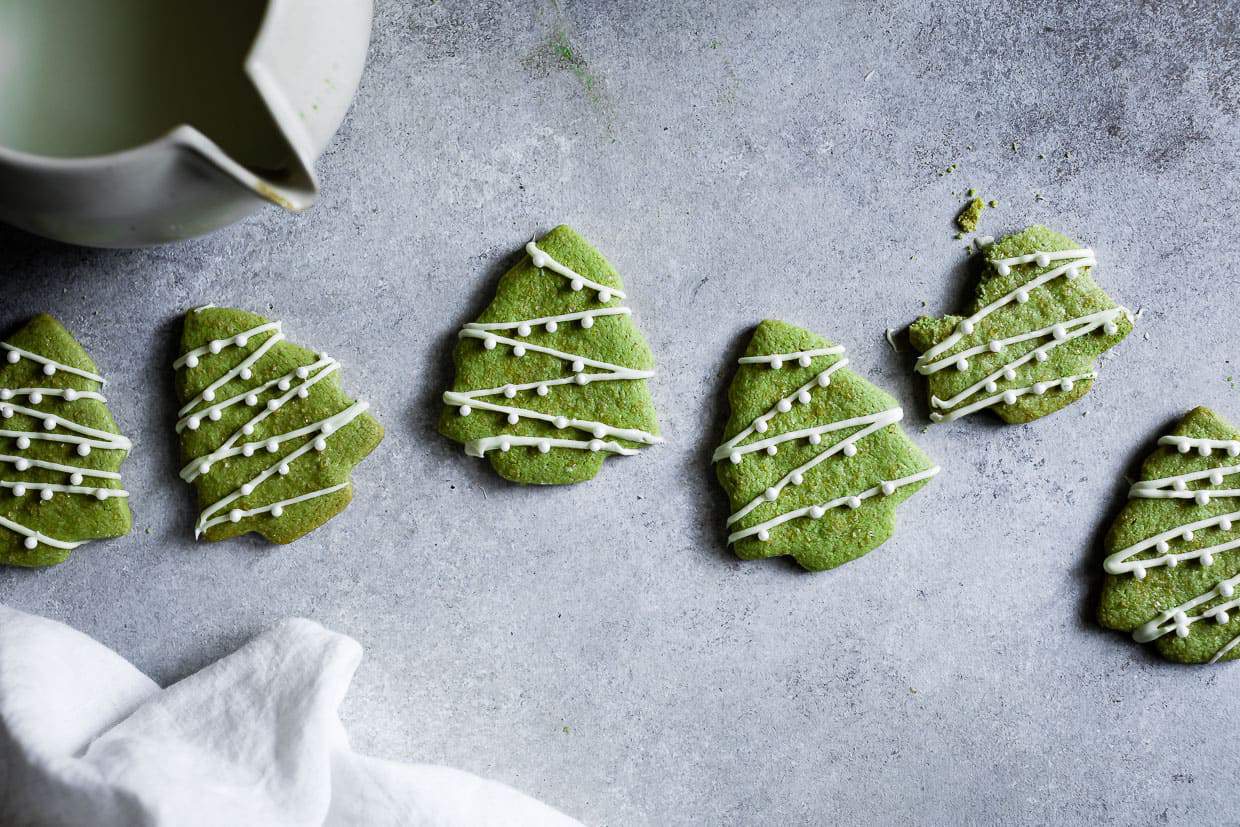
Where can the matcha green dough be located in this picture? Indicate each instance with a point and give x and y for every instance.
(813, 458)
(268, 438)
(551, 378)
(1033, 333)
(1173, 553)
(61, 484)
(967, 219)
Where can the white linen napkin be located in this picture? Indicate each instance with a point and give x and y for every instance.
(254, 738)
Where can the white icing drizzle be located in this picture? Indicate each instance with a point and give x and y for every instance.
(56, 429)
(580, 363)
(1071, 329)
(217, 345)
(325, 427)
(1205, 447)
(759, 425)
(887, 488)
(252, 396)
(1227, 647)
(50, 366)
(1076, 260)
(1177, 619)
(1176, 487)
(275, 509)
(598, 429)
(801, 357)
(526, 326)
(20, 489)
(504, 442)
(1007, 397)
(545, 261)
(243, 370)
(847, 446)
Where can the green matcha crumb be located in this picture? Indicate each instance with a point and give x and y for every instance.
(566, 730)
(994, 203)
(967, 219)
(1015, 146)
(972, 193)
(1041, 156)
(959, 236)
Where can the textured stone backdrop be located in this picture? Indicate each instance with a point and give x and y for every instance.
(597, 645)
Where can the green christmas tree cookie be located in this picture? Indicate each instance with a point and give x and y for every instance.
(1027, 347)
(1173, 554)
(551, 379)
(814, 460)
(268, 437)
(60, 449)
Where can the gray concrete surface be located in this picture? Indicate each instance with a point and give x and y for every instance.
(597, 645)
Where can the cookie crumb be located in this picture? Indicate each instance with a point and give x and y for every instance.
(968, 217)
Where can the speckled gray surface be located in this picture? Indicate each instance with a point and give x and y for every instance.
(597, 646)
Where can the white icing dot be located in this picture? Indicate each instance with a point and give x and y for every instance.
(1233, 449)
(283, 470)
(962, 365)
(1066, 384)
(83, 450)
(576, 284)
(1059, 332)
(552, 326)
(49, 424)
(770, 494)
(600, 430)
(966, 327)
(1109, 328)
(22, 464)
(241, 340)
(991, 387)
(234, 515)
(1202, 498)
(204, 467)
(1172, 562)
(45, 494)
(6, 412)
(804, 361)
(853, 502)
(320, 444)
(1071, 273)
(514, 418)
(247, 489)
(797, 478)
(1221, 617)
(604, 296)
(504, 445)
(284, 384)
(1181, 631)
(1042, 260)
(277, 511)
(596, 445)
(30, 542)
(544, 446)
(1216, 477)
(776, 364)
(815, 439)
(465, 410)
(214, 415)
(772, 450)
(49, 370)
(327, 429)
(70, 395)
(803, 396)
(1039, 388)
(6, 394)
(302, 372)
(1188, 534)
(1226, 589)
(75, 479)
(560, 422)
(216, 346)
(1040, 355)
(1205, 450)
(1162, 546)
(36, 398)
(246, 374)
(1009, 397)
(272, 446)
(759, 425)
(578, 366)
(816, 511)
(251, 400)
(764, 535)
(1009, 374)
(784, 406)
(101, 494)
(1207, 559)
(888, 488)
(735, 457)
(1138, 572)
(23, 442)
(542, 390)
(489, 343)
(19, 490)
(14, 357)
(191, 361)
(824, 379)
(273, 404)
(510, 391)
(518, 350)
(1022, 296)
(248, 429)
(582, 379)
(523, 329)
(850, 450)
(1183, 447)
(1004, 268)
(193, 423)
(1224, 525)
(540, 260)
(995, 346)
(208, 395)
(1179, 485)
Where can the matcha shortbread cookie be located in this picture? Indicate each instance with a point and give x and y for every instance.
(268, 437)
(1173, 554)
(814, 460)
(1027, 349)
(60, 449)
(551, 378)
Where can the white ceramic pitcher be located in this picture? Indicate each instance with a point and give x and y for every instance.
(127, 123)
